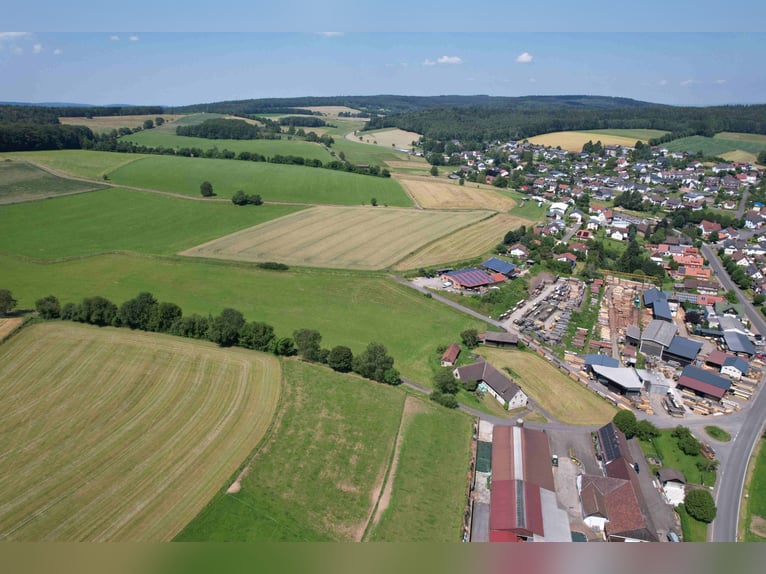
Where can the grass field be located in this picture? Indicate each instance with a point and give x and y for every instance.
(465, 243)
(80, 163)
(719, 145)
(526, 208)
(122, 219)
(440, 193)
(101, 124)
(755, 513)
(757, 139)
(347, 308)
(363, 238)
(273, 182)
(154, 138)
(357, 152)
(435, 449)
(20, 181)
(574, 140)
(568, 401)
(693, 529)
(666, 448)
(318, 476)
(113, 435)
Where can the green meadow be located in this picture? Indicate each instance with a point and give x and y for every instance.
(76, 162)
(636, 134)
(274, 182)
(347, 308)
(20, 181)
(122, 219)
(314, 480)
(717, 145)
(297, 147)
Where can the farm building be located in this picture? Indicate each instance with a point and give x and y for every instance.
(492, 339)
(738, 343)
(682, 350)
(472, 278)
(633, 335)
(499, 266)
(658, 301)
(704, 383)
(601, 360)
(505, 391)
(657, 337)
(523, 505)
(735, 367)
(622, 379)
(673, 485)
(449, 358)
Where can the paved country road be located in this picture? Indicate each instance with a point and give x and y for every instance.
(731, 476)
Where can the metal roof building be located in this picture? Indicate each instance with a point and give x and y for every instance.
(624, 379)
(471, 278)
(500, 266)
(657, 337)
(682, 350)
(603, 360)
(738, 343)
(703, 382)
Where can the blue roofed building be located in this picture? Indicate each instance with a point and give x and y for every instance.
(739, 343)
(500, 266)
(682, 350)
(704, 383)
(601, 360)
(735, 367)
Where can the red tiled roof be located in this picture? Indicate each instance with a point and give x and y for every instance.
(451, 354)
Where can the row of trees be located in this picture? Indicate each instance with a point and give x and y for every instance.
(146, 313)
(241, 198)
(225, 129)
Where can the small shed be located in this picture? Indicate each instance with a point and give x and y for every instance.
(673, 485)
(491, 339)
(449, 358)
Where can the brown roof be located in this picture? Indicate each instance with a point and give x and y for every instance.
(499, 337)
(451, 354)
(615, 499)
(717, 358)
(483, 372)
(667, 474)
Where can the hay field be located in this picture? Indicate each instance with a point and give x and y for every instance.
(20, 181)
(742, 137)
(393, 138)
(567, 400)
(433, 193)
(363, 238)
(102, 124)
(741, 156)
(573, 141)
(9, 324)
(465, 243)
(113, 435)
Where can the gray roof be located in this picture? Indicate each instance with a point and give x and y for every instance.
(621, 376)
(482, 371)
(494, 337)
(708, 377)
(726, 323)
(660, 332)
(685, 348)
(666, 474)
(738, 343)
(652, 296)
(661, 310)
(738, 363)
(633, 332)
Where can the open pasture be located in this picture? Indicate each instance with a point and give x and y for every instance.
(758, 139)
(113, 435)
(440, 193)
(347, 308)
(348, 238)
(154, 138)
(565, 399)
(101, 124)
(122, 219)
(274, 182)
(471, 241)
(76, 162)
(720, 144)
(574, 140)
(20, 181)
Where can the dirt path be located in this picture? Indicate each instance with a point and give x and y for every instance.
(382, 492)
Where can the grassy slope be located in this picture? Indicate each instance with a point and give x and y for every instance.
(121, 219)
(756, 502)
(22, 182)
(154, 138)
(314, 478)
(348, 309)
(80, 163)
(273, 182)
(435, 451)
(635, 134)
(714, 145)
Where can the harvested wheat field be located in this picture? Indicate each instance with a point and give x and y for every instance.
(465, 243)
(432, 193)
(8, 325)
(115, 435)
(573, 141)
(364, 238)
(330, 111)
(393, 138)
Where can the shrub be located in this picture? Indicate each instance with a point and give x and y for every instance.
(700, 505)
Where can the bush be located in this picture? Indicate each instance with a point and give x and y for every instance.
(646, 431)
(341, 359)
(445, 400)
(48, 307)
(470, 338)
(700, 505)
(273, 266)
(688, 444)
(206, 189)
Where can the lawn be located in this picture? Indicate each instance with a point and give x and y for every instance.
(297, 147)
(435, 450)
(693, 529)
(79, 163)
(122, 219)
(350, 309)
(113, 435)
(718, 433)
(274, 182)
(339, 237)
(526, 208)
(666, 447)
(20, 181)
(566, 400)
(317, 477)
(756, 501)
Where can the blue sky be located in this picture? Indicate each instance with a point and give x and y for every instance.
(177, 68)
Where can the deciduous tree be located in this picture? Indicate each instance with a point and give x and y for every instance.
(7, 302)
(700, 505)
(341, 359)
(48, 307)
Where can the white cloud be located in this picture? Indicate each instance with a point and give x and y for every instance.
(428, 62)
(663, 82)
(114, 38)
(37, 48)
(524, 58)
(133, 38)
(450, 60)
(719, 82)
(330, 34)
(12, 35)
(58, 52)
(532, 80)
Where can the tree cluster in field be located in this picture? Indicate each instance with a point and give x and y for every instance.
(626, 421)
(224, 129)
(144, 312)
(241, 198)
(35, 137)
(686, 441)
(302, 121)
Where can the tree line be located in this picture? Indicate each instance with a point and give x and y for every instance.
(228, 329)
(225, 129)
